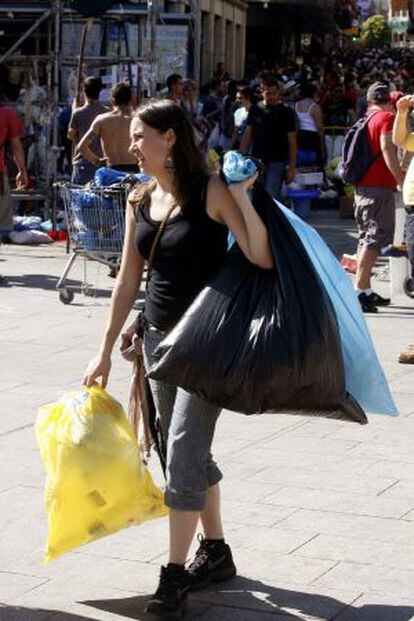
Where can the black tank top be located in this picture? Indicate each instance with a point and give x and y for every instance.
(191, 249)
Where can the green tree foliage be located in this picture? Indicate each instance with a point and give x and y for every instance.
(375, 31)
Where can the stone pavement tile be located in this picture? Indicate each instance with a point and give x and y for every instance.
(347, 462)
(402, 454)
(404, 402)
(21, 441)
(245, 491)
(383, 429)
(22, 508)
(256, 596)
(257, 426)
(238, 470)
(42, 392)
(320, 427)
(321, 479)
(374, 467)
(401, 489)
(15, 584)
(73, 600)
(393, 369)
(235, 614)
(345, 502)
(405, 383)
(21, 613)
(18, 470)
(332, 547)
(227, 447)
(95, 571)
(258, 515)
(374, 607)
(409, 517)
(11, 384)
(281, 456)
(395, 581)
(354, 527)
(129, 544)
(350, 462)
(132, 608)
(273, 567)
(267, 539)
(291, 444)
(15, 412)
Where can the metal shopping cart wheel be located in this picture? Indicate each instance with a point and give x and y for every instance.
(66, 296)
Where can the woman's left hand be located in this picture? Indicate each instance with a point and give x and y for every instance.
(242, 186)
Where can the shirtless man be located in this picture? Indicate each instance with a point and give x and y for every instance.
(113, 130)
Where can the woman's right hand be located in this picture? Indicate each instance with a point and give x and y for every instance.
(405, 103)
(100, 366)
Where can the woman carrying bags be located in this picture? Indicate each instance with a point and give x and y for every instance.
(196, 212)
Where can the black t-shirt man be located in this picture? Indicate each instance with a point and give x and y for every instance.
(270, 135)
(270, 128)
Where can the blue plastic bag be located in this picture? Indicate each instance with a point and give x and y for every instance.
(107, 176)
(365, 379)
(237, 168)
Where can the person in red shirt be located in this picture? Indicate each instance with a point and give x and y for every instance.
(11, 130)
(374, 195)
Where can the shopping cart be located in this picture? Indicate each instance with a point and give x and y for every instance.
(96, 225)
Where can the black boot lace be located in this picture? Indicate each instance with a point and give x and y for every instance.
(201, 556)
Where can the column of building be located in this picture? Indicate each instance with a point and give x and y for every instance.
(223, 30)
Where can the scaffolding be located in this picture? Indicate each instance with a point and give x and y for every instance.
(45, 21)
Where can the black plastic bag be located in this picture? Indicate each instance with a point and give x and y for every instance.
(259, 340)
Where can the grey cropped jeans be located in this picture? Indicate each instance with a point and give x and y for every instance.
(187, 424)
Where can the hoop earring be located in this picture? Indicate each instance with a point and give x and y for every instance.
(169, 164)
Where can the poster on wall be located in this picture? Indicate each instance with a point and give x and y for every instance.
(171, 51)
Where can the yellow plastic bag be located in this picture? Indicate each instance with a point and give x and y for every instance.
(96, 483)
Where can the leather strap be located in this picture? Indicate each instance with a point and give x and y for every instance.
(156, 240)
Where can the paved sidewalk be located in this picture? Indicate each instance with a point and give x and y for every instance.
(320, 513)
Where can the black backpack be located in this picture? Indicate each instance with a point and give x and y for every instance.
(357, 156)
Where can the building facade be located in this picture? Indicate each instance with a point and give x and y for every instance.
(223, 36)
(275, 27)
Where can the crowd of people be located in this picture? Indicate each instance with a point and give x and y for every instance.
(276, 113)
(180, 212)
(185, 213)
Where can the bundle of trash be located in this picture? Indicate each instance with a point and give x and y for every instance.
(33, 230)
(288, 339)
(96, 482)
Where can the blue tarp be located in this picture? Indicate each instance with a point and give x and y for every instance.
(365, 379)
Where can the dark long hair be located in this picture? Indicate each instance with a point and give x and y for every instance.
(187, 159)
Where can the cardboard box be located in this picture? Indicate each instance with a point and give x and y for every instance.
(309, 178)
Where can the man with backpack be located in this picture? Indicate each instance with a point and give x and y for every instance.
(370, 163)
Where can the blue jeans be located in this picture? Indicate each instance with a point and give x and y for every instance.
(187, 424)
(273, 178)
(409, 238)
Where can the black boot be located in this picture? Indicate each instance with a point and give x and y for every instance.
(170, 599)
(213, 563)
